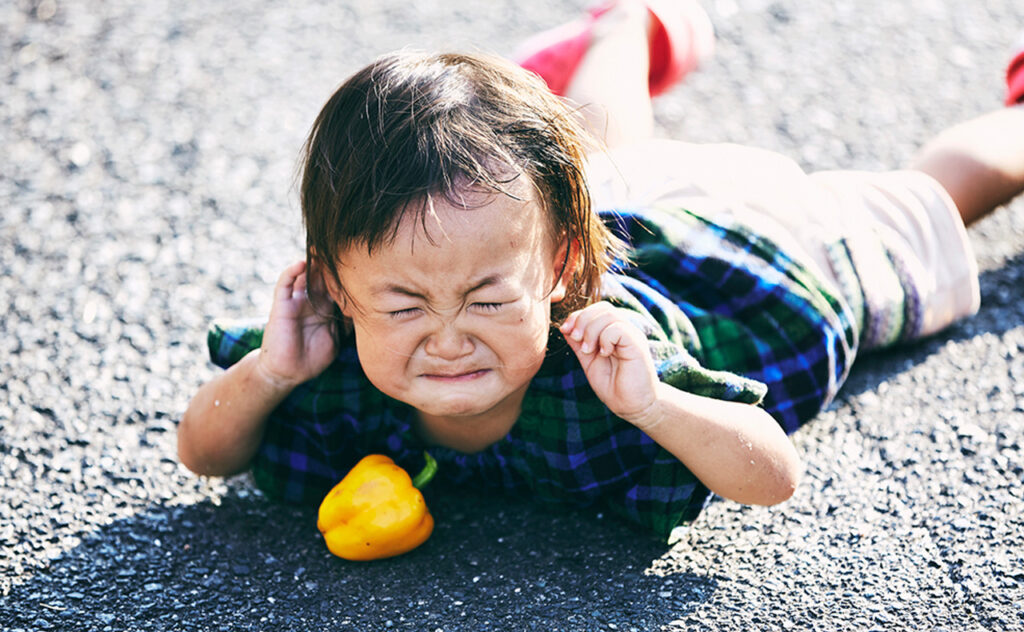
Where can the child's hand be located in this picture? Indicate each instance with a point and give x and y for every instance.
(614, 355)
(298, 342)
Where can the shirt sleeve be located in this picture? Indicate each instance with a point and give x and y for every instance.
(755, 310)
(660, 497)
(322, 428)
(230, 340)
(665, 493)
(675, 346)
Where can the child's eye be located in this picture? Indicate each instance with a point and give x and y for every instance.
(404, 313)
(488, 307)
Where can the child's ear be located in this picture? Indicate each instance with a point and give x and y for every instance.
(565, 262)
(338, 296)
(323, 282)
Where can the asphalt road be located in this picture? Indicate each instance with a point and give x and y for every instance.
(147, 186)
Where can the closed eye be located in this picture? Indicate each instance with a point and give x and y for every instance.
(488, 307)
(404, 313)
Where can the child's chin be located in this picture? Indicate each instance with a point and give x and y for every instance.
(455, 407)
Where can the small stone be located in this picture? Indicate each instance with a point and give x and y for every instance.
(80, 155)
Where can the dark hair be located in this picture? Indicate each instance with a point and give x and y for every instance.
(413, 125)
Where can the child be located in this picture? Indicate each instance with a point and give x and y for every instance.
(461, 295)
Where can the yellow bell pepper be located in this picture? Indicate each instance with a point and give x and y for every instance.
(376, 511)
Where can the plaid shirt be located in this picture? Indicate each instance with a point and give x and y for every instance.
(714, 301)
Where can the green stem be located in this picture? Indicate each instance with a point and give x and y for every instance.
(426, 473)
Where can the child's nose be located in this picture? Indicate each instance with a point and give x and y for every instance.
(449, 343)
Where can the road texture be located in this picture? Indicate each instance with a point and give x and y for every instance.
(147, 186)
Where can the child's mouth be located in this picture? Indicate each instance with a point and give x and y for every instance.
(456, 377)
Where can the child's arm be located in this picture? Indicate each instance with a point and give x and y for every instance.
(223, 425)
(737, 450)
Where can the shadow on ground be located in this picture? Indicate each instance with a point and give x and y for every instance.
(492, 563)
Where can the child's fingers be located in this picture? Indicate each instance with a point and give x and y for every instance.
(285, 287)
(625, 340)
(589, 324)
(595, 338)
(576, 323)
(610, 337)
(299, 287)
(602, 329)
(568, 323)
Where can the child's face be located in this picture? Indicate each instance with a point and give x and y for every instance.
(456, 324)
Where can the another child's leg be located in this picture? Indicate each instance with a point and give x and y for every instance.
(979, 162)
(610, 84)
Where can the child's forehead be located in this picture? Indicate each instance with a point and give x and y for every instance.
(488, 236)
(448, 220)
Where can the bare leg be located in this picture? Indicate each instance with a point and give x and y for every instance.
(610, 84)
(979, 162)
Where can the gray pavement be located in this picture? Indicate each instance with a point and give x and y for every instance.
(147, 185)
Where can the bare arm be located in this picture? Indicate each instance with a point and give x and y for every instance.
(737, 450)
(223, 425)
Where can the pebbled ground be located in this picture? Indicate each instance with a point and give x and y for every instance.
(147, 185)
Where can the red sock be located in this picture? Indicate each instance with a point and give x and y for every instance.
(1015, 80)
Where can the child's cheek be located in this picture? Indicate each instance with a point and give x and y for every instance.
(385, 333)
(514, 312)
(520, 320)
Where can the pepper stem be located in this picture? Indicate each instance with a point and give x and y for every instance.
(426, 473)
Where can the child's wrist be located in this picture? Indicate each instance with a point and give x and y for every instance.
(267, 376)
(653, 414)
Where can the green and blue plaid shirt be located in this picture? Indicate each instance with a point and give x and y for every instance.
(727, 315)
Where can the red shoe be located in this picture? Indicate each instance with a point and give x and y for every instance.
(683, 37)
(1015, 75)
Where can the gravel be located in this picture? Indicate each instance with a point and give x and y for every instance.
(147, 185)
